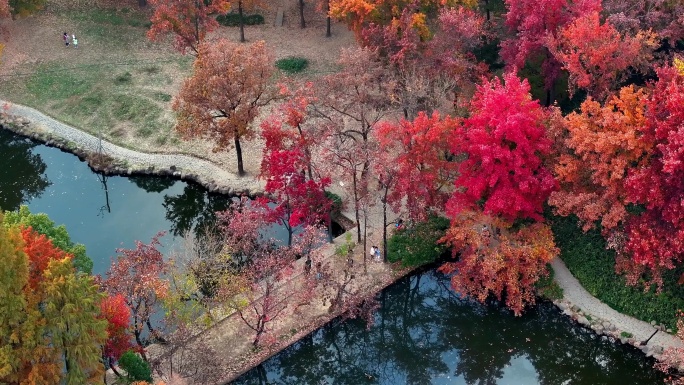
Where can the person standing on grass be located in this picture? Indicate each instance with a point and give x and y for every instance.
(73, 39)
(66, 39)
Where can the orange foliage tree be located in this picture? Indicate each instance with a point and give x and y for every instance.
(230, 84)
(496, 259)
(602, 144)
(360, 13)
(188, 20)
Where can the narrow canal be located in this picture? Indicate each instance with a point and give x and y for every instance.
(423, 332)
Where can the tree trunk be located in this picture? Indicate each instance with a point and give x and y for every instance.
(328, 32)
(356, 210)
(365, 236)
(384, 226)
(238, 151)
(487, 9)
(242, 24)
(302, 22)
(142, 3)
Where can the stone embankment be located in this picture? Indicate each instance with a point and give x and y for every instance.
(111, 159)
(578, 304)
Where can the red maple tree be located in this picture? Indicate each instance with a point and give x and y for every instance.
(136, 274)
(505, 142)
(118, 316)
(655, 239)
(293, 199)
(597, 57)
(420, 150)
(535, 22)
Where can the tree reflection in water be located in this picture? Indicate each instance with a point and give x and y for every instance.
(194, 209)
(426, 334)
(22, 173)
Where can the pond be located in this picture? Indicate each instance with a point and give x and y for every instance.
(104, 213)
(423, 333)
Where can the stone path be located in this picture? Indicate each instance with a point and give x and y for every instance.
(202, 171)
(574, 293)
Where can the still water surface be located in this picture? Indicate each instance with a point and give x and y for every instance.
(423, 333)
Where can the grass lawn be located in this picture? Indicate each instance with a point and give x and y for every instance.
(116, 83)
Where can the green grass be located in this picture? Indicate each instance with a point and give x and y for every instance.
(96, 98)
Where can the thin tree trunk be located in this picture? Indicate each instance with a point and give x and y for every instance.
(238, 151)
(384, 226)
(242, 24)
(365, 236)
(142, 3)
(328, 31)
(356, 210)
(302, 22)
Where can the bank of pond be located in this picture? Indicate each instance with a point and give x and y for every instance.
(423, 332)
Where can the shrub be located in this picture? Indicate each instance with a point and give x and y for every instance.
(548, 288)
(345, 248)
(136, 368)
(418, 245)
(593, 265)
(233, 19)
(292, 64)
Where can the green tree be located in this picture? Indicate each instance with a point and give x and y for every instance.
(71, 306)
(136, 368)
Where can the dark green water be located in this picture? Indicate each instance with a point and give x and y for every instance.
(424, 334)
(103, 213)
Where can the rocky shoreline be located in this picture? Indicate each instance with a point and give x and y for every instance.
(109, 159)
(608, 330)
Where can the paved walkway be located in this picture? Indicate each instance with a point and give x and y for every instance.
(578, 296)
(202, 171)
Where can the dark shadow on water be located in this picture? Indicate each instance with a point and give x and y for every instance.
(22, 173)
(426, 334)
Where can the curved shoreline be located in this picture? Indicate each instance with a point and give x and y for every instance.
(106, 157)
(112, 159)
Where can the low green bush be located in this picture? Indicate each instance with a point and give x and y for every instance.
(418, 244)
(292, 64)
(136, 368)
(548, 288)
(233, 19)
(593, 265)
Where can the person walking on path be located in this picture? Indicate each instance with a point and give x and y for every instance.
(73, 39)
(66, 39)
